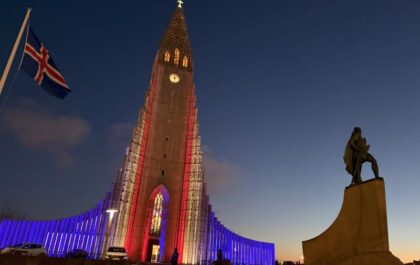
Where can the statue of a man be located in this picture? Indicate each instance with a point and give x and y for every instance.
(356, 154)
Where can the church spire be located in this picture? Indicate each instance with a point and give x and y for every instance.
(175, 47)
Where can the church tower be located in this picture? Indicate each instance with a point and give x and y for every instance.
(159, 200)
(161, 197)
(165, 157)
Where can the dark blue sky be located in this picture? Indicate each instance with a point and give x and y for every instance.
(280, 85)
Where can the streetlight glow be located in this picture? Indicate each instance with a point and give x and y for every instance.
(108, 228)
(111, 213)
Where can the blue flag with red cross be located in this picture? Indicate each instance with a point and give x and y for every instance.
(38, 63)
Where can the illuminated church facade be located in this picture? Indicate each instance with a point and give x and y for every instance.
(159, 195)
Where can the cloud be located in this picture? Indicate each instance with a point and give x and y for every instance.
(37, 128)
(220, 174)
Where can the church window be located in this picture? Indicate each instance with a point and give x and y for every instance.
(185, 62)
(176, 58)
(167, 56)
(156, 214)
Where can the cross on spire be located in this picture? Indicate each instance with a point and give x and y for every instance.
(180, 2)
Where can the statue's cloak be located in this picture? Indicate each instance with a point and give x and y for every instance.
(348, 158)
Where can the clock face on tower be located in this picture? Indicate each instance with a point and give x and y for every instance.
(174, 78)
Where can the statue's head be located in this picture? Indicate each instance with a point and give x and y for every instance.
(357, 130)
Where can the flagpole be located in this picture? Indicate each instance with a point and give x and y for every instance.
(13, 53)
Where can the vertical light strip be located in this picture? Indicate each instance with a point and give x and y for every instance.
(144, 120)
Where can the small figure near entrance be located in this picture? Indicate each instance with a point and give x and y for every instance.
(219, 256)
(174, 259)
(356, 154)
(220, 260)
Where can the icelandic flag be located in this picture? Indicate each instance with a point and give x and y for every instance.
(38, 63)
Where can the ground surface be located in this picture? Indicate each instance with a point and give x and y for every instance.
(19, 260)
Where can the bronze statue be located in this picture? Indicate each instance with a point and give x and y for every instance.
(356, 154)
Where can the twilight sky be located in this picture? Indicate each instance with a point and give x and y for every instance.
(280, 86)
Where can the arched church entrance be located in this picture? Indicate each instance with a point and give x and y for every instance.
(157, 214)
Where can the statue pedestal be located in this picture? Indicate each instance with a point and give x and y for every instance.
(359, 235)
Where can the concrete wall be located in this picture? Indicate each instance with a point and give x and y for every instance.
(359, 235)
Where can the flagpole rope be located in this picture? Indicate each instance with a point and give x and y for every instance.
(16, 73)
(8, 92)
(14, 49)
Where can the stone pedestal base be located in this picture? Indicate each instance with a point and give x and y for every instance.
(359, 235)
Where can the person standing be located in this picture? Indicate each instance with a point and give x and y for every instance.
(174, 259)
(219, 256)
